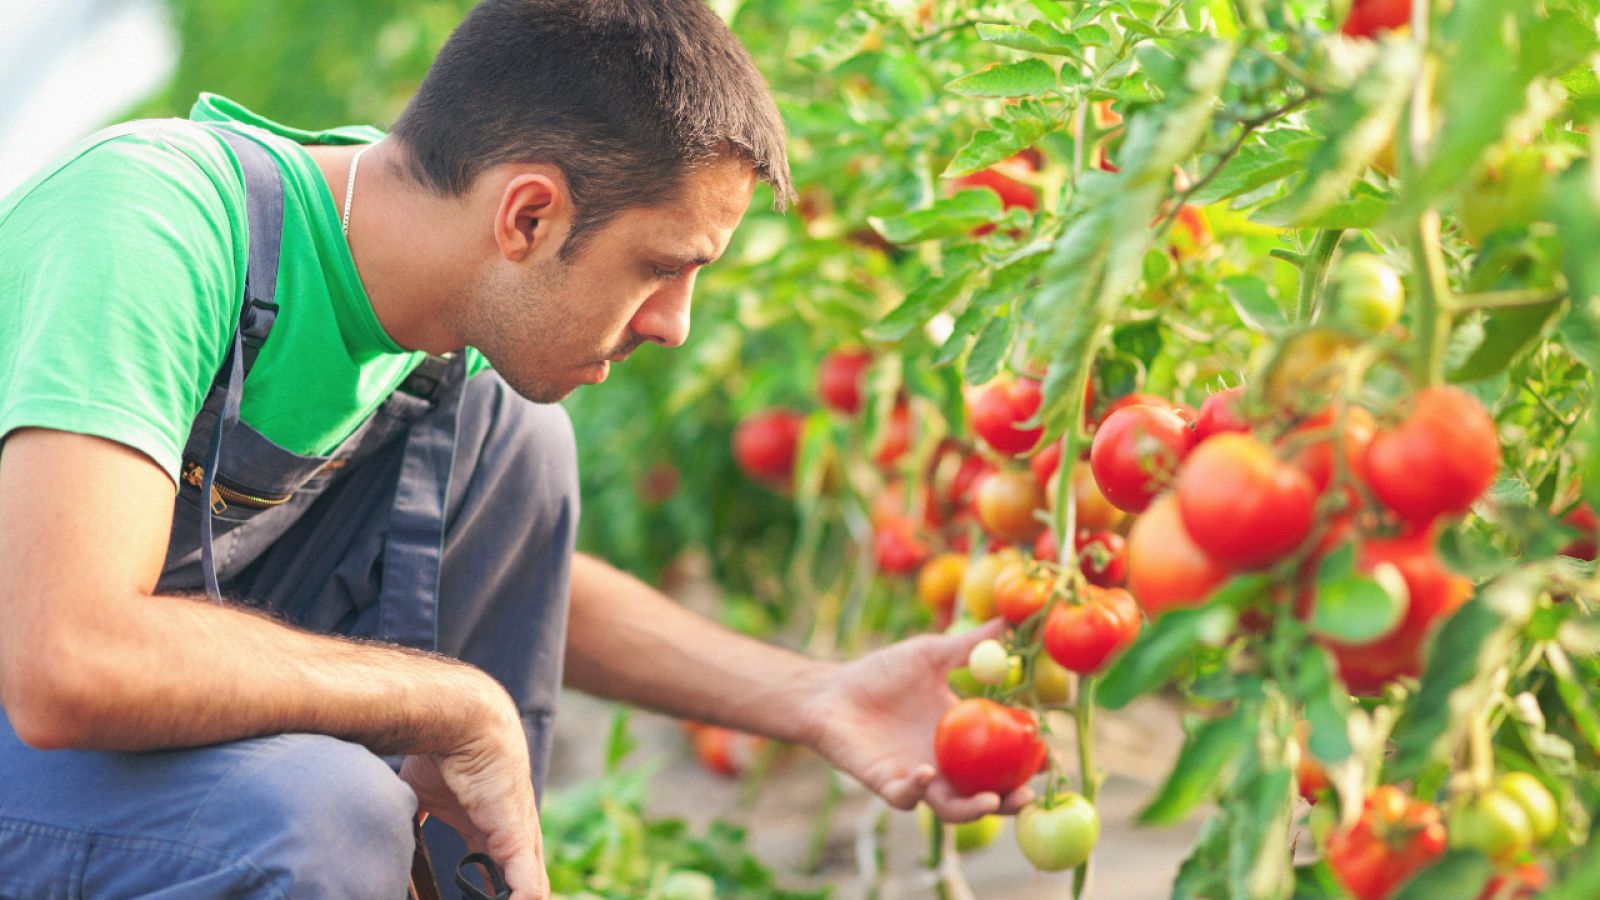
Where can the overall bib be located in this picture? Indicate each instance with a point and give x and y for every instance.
(445, 522)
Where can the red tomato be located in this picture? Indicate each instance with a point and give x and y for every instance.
(1394, 838)
(895, 438)
(1372, 17)
(1220, 413)
(1136, 452)
(840, 378)
(1184, 410)
(1242, 506)
(898, 547)
(1435, 592)
(1437, 461)
(766, 443)
(1587, 544)
(1316, 458)
(723, 750)
(1523, 882)
(1084, 637)
(1008, 505)
(972, 470)
(983, 746)
(996, 410)
(1046, 547)
(1166, 568)
(1018, 595)
(1103, 557)
(1045, 463)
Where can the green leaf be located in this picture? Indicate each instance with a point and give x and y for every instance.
(1270, 157)
(843, 42)
(945, 218)
(1256, 309)
(1359, 121)
(1575, 697)
(1577, 217)
(1140, 340)
(1459, 873)
(990, 350)
(1029, 78)
(1197, 771)
(619, 743)
(967, 325)
(1327, 705)
(1037, 37)
(1354, 609)
(1507, 334)
(1317, 882)
(926, 300)
(1459, 673)
(1259, 863)
(1153, 657)
(992, 145)
(1203, 873)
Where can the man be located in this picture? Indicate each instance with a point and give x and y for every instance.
(277, 323)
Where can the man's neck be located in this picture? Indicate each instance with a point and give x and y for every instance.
(406, 252)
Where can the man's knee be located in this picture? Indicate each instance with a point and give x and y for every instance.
(323, 815)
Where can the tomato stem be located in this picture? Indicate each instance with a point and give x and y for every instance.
(1088, 778)
(1314, 272)
(1430, 315)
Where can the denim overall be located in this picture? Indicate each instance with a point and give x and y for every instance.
(445, 522)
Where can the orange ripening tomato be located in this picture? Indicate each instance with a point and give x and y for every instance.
(1009, 504)
(1438, 460)
(1316, 458)
(1018, 594)
(1244, 507)
(725, 751)
(1166, 569)
(938, 582)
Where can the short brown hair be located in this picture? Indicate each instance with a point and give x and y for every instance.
(624, 96)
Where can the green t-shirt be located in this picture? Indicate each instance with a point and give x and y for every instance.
(122, 267)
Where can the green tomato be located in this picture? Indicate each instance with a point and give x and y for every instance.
(683, 884)
(1050, 681)
(970, 836)
(1365, 294)
(1060, 836)
(1509, 192)
(963, 684)
(1492, 823)
(1535, 800)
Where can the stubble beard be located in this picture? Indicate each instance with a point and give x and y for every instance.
(513, 320)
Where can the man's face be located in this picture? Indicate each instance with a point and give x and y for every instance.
(551, 325)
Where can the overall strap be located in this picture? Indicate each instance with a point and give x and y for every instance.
(264, 212)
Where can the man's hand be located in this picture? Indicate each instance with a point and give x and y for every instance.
(483, 790)
(875, 718)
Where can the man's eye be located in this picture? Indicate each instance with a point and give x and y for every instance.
(668, 274)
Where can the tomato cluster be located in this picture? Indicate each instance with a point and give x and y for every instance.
(1394, 838)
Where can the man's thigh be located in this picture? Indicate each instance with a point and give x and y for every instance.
(292, 815)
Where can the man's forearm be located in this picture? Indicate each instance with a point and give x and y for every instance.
(157, 672)
(626, 641)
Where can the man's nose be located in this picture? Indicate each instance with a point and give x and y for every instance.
(664, 318)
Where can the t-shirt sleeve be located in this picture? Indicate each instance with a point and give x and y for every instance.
(119, 287)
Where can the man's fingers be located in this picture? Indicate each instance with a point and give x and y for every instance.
(1016, 800)
(904, 792)
(952, 807)
(957, 647)
(526, 877)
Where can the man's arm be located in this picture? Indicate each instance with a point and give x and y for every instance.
(91, 658)
(873, 717)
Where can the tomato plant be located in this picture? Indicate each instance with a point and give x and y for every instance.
(1084, 636)
(1394, 837)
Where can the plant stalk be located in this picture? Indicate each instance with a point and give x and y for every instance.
(1314, 272)
(1088, 778)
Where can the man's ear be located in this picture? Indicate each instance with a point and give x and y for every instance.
(535, 210)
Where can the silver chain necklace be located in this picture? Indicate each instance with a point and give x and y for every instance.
(350, 189)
